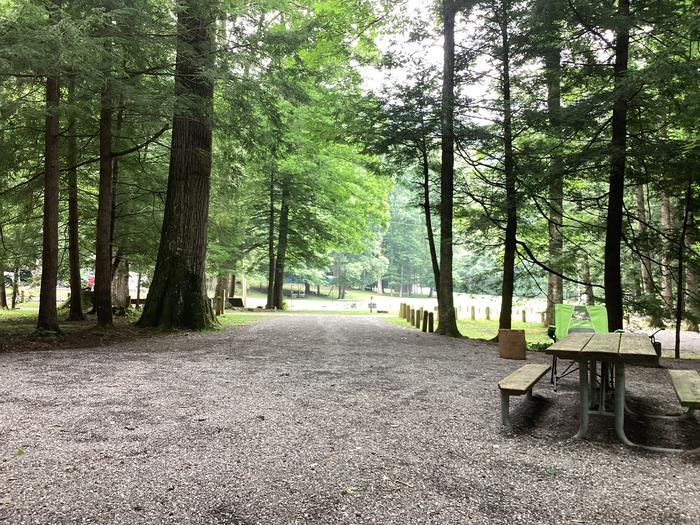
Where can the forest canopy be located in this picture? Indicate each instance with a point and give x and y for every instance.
(512, 148)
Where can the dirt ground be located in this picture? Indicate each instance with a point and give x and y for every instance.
(323, 419)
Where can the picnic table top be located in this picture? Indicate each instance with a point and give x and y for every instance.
(626, 347)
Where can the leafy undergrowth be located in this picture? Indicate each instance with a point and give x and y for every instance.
(18, 330)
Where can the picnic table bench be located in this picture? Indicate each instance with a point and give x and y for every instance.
(686, 383)
(518, 383)
(619, 350)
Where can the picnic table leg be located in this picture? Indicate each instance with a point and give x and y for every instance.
(592, 381)
(584, 394)
(620, 403)
(603, 385)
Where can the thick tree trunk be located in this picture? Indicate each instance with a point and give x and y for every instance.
(428, 216)
(307, 288)
(232, 286)
(618, 157)
(505, 318)
(643, 244)
(552, 62)
(103, 252)
(76, 286)
(120, 285)
(177, 296)
(380, 285)
(448, 323)
(281, 248)
(48, 316)
(271, 246)
(666, 279)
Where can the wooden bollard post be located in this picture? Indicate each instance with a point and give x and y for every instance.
(401, 310)
(524, 316)
(431, 322)
(488, 313)
(425, 321)
(419, 320)
(408, 313)
(473, 314)
(412, 319)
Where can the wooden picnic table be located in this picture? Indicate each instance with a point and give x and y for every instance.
(618, 349)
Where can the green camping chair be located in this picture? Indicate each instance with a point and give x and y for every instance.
(565, 323)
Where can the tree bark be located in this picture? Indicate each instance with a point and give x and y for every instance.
(3, 293)
(448, 323)
(103, 234)
(15, 287)
(643, 244)
(48, 315)
(552, 64)
(586, 278)
(177, 296)
(428, 216)
(281, 248)
(618, 158)
(692, 279)
(666, 279)
(220, 299)
(680, 299)
(271, 246)
(76, 286)
(120, 285)
(505, 317)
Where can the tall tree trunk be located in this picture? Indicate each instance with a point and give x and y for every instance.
(48, 315)
(281, 248)
(552, 64)
(232, 286)
(177, 296)
(618, 158)
(428, 215)
(103, 252)
(586, 278)
(220, 294)
(15, 287)
(508, 284)
(3, 293)
(76, 287)
(138, 292)
(666, 279)
(643, 244)
(120, 285)
(271, 246)
(447, 322)
(380, 285)
(692, 279)
(680, 299)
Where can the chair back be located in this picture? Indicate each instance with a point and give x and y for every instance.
(562, 320)
(599, 317)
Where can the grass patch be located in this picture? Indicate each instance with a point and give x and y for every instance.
(235, 318)
(535, 334)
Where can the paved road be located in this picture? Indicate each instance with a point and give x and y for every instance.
(319, 419)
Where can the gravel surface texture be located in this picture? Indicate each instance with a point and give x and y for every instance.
(323, 419)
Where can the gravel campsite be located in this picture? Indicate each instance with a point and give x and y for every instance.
(323, 419)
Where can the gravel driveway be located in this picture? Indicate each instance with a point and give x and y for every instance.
(322, 419)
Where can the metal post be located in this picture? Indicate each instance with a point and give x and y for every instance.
(620, 404)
